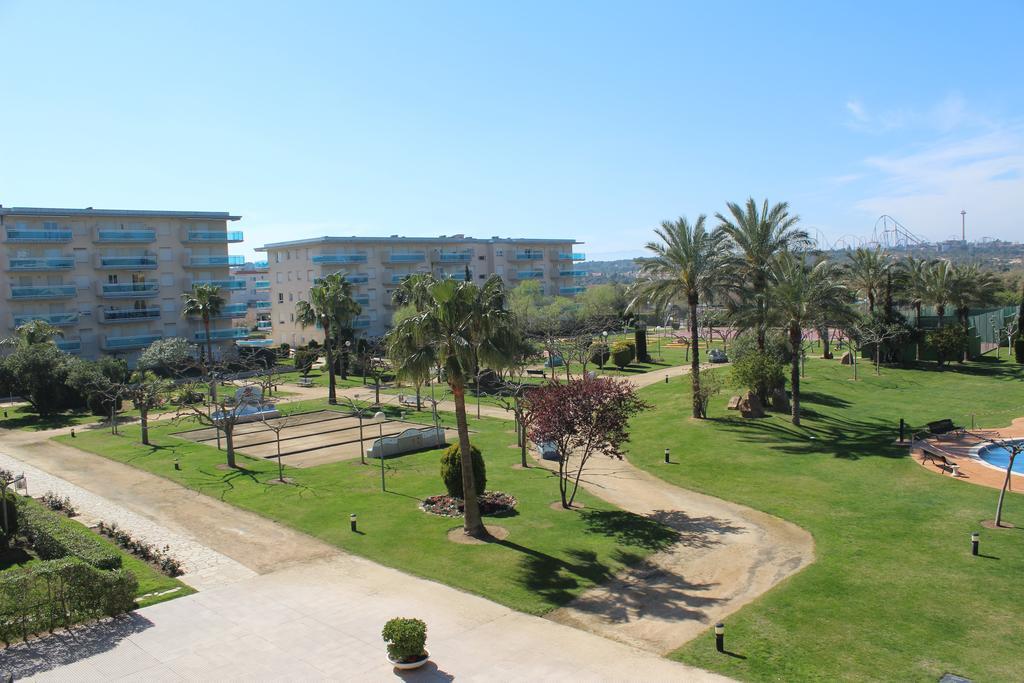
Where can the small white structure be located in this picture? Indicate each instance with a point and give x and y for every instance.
(249, 406)
(412, 439)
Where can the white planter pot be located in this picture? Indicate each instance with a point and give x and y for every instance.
(408, 666)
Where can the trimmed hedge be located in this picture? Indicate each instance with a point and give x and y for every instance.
(59, 593)
(623, 353)
(451, 470)
(53, 537)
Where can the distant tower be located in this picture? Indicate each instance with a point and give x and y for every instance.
(963, 226)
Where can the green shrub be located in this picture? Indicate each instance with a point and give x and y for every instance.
(949, 343)
(406, 639)
(304, 359)
(775, 345)
(10, 501)
(100, 405)
(59, 593)
(1018, 349)
(53, 537)
(451, 470)
(623, 353)
(759, 372)
(284, 350)
(599, 353)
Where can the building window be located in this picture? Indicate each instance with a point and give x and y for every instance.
(280, 297)
(290, 296)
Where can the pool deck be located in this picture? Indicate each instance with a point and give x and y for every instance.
(960, 450)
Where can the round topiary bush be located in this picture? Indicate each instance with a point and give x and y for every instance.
(599, 353)
(451, 470)
(623, 353)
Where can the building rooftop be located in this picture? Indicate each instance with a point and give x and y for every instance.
(106, 213)
(327, 240)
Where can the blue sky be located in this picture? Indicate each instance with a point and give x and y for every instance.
(587, 120)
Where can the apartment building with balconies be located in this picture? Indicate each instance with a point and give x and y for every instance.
(376, 265)
(112, 280)
(255, 296)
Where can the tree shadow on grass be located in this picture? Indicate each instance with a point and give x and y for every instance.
(556, 580)
(823, 400)
(630, 529)
(839, 437)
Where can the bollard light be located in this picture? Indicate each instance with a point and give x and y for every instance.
(666, 379)
(666, 454)
(720, 637)
(72, 432)
(975, 538)
(352, 521)
(177, 465)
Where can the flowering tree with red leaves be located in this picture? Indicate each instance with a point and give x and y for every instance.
(580, 418)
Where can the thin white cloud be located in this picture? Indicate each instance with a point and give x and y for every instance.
(948, 114)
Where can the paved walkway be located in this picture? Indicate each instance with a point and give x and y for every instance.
(307, 611)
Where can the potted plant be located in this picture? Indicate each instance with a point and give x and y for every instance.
(406, 639)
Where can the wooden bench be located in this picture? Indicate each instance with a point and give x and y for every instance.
(941, 427)
(940, 459)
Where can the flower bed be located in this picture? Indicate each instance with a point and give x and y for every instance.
(159, 558)
(492, 504)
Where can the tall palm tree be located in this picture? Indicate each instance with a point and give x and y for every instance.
(939, 286)
(868, 273)
(204, 302)
(802, 296)
(757, 236)
(971, 287)
(451, 330)
(332, 307)
(914, 280)
(690, 264)
(36, 332)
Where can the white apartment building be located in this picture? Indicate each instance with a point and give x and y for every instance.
(376, 265)
(112, 280)
(255, 295)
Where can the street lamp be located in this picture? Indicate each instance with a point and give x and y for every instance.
(604, 350)
(380, 418)
(344, 359)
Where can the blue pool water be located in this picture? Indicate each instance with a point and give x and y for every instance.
(999, 456)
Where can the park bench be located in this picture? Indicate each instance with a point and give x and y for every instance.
(408, 401)
(536, 372)
(942, 427)
(305, 382)
(940, 459)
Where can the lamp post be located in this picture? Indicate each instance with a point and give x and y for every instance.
(720, 637)
(344, 359)
(604, 350)
(379, 418)
(666, 454)
(975, 537)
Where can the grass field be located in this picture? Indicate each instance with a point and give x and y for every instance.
(894, 593)
(550, 556)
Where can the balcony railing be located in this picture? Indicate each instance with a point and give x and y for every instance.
(147, 262)
(43, 263)
(406, 257)
(215, 261)
(362, 323)
(398, 278)
(564, 256)
(129, 315)
(459, 275)
(58, 319)
(263, 305)
(264, 325)
(229, 285)
(529, 255)
(17, 235)
(221, 335)
(362, 300)
(456, 257)
(569, 291)
(358, 279)
(137, 341)
(237, 310)
(572, 273)
(261, 284)
(109, 236)
(214, 236)
(529, 274)
(45, 292)
(129, 290)
(69, 345)
(328, 259)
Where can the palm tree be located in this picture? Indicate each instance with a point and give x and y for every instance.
(205, 302)
(939, 287)
(758, 236)
(802, 296)
(36, 332)
(868, 273)
(914, 279)
(971, 287)
(451, 330)
(689, 263)
(332, 307)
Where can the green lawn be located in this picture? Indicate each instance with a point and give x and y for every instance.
(894, 593)
(550, 556)
(150, 579)
(22, 417)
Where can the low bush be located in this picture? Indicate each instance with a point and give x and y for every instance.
(949, 343)
(451, 470)
(54, 537)
(623, 353)
(59, 503)
(775, 345)
(60, 593)
(599, 353)
(304, 360)
(161, 557)
(284, 350)
(760, 373)
(406, 639)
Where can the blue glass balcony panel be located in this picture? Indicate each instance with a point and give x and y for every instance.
(231, 285)
(340, 258)
(44, 292)
(129, 289)
(214, 261)
(16, 235)
(58, 319)
(214, 236)
(42, 263)
(133, 342)
(125, 235)
(128, 262)
(130, 315)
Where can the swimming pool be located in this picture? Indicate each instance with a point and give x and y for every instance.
(997, 456)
